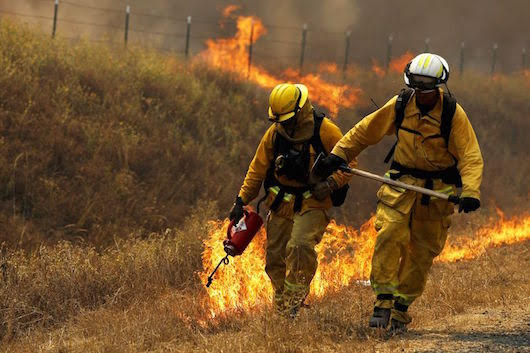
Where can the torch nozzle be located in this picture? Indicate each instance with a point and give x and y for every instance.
(225, 261)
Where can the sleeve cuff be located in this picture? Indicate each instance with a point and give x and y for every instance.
(471, 193)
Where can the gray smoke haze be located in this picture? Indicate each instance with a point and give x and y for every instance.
(478, 23)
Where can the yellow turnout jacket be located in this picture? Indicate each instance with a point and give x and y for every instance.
(420, 151)
(257, 171)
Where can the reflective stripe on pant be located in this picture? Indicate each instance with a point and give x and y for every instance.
(291, 259)
(406, 245)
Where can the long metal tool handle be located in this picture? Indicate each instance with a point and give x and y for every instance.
(451, 198)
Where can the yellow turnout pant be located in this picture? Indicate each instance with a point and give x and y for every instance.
(291, 259)
(410, 235)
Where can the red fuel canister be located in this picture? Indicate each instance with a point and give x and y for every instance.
(239, 235)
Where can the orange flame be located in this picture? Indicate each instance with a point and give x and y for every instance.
(378, 70)
(398, 64)
(227, 11)
(344, 256)
(232, 54)
(328, 67)
(502, 232)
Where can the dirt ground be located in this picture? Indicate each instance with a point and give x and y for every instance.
(501, 329)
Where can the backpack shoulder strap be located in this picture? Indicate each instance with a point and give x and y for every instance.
(448, 112)
(281, 145)
(401, 103)
(316, 141)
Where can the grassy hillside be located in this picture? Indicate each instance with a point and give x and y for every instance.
(97, 143)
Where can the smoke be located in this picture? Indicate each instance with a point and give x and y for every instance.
(446, 24)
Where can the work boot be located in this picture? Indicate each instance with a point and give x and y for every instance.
(397, 327)
(380, 317)
(279, 305)
(400, 318)
(382, 311)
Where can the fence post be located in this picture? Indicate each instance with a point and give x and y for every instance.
(302, 52)
(462, 49)
(188, 29)
(494, 57)
(127, 14)
(55, 10)
(389, 51)
(427, 41)
(523, 59)
(251, 39)
(346, 53)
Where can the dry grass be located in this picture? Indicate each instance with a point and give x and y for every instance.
(48, 286)
(153, 315)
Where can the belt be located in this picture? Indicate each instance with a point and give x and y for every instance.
(448, 176)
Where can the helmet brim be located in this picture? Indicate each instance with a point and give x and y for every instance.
(280, 118)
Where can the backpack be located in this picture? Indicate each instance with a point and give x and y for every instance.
(448, 112)
(449, 175)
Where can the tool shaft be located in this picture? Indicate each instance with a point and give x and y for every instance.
(400, 184)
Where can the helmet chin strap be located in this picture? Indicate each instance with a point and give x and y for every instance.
(448, 91)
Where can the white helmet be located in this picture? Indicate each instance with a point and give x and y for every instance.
(426, 66)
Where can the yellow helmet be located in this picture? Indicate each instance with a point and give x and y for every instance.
(286, 100)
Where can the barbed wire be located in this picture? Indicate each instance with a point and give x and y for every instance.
(93, 24)
(14, 13)
(104, 9)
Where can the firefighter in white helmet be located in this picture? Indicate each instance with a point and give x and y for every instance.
(436, 148)
(298, 213)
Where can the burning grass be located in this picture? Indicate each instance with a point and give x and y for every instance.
(144, 295)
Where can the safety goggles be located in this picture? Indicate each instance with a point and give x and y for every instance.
(423, 83)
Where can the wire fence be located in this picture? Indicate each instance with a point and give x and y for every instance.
(191, 32)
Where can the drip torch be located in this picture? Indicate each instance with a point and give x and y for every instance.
(238, 236)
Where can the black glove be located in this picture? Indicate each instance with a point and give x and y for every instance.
(327, 166)
(237, 212)
(321, 190)
(468, 204)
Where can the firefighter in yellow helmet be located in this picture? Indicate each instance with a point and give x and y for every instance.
(436, 148)
(298, 213)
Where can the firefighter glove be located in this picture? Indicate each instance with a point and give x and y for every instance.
(468, 204)
(237, 212)
(324, 189)
(328, 165)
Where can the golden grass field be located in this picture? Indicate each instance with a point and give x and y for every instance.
(114, 161)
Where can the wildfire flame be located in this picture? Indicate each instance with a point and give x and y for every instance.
(378, 70)
(227, 11)
(232, 54)
(396, 65)
(328, 67)
(344, 256)
(502, 232)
